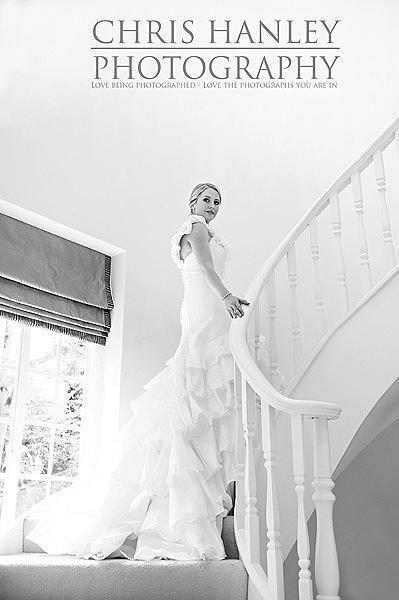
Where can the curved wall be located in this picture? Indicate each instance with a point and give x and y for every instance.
(365, 511)
(354, 369)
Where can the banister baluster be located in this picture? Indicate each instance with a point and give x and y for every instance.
(337, 230)
(363, 246)
(318, 291)
(257, 330)
(305, 587)
(258, 444)
(239, 507)
(274, 551)
(295, 322)
(251, 512)
(272, 345)
(326, 559)
(397, 149)
(385, 219)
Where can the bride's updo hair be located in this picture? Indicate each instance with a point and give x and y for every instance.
(201, 187)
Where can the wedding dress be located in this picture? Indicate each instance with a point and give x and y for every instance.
(164, 486)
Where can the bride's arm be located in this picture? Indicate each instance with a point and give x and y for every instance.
(198, 239)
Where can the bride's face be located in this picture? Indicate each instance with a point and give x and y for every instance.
(207, 204)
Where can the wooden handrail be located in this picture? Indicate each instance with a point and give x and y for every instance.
(238, 332)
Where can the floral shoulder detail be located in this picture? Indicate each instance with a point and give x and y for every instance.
(186, 228)
(219, 239)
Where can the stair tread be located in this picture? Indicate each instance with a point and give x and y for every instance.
(34, 576)
(38, 558)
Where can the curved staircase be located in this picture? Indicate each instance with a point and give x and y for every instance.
(321, 335)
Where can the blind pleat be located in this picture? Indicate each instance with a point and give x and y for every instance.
(39, 313)
(84, 334)
(48, 281)
(22, 294)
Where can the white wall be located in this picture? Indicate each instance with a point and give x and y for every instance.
(354, 369)
(119, 164)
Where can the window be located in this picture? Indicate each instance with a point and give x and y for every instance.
(44, 398)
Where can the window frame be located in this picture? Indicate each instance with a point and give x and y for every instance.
(16, 421)
(108, 406)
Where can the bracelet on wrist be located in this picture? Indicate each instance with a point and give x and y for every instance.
(225, 296)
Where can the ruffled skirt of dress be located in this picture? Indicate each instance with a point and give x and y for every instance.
(169, 467)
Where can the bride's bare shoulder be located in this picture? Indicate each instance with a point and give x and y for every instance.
(198, 230)
(194, 232)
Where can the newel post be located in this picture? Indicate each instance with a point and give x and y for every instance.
(274, 551)
(326, 558)
(305, 586)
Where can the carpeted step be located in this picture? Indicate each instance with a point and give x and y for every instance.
(40, 576)
(35, 575)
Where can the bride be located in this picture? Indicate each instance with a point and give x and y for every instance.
(164, 485)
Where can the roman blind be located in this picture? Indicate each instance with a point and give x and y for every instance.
(48, 281)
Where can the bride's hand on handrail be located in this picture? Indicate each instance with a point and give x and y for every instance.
(233, 305)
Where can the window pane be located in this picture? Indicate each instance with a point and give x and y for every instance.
(35, 449)
(44, 350)
(41, 394)
(72, 356)
(66, 453)
(69, 403)
(7, 392)
(29, 492)
(56, 486)
(4, 445)
(10, 339)
(1, 493)
(51, 402)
